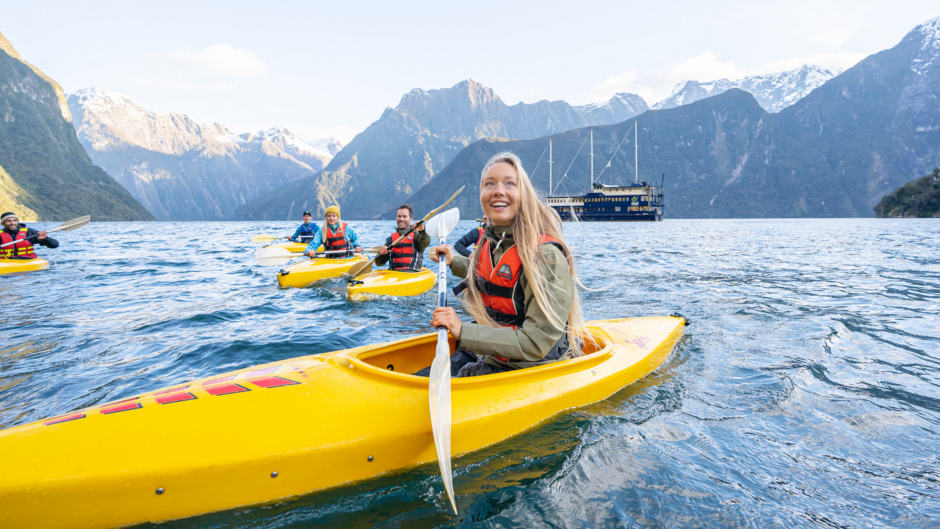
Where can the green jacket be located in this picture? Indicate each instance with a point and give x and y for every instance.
(528, 344)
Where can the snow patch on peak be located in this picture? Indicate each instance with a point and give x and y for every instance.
(926, 57)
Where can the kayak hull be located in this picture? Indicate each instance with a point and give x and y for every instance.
(306, 273)
(274, 431)
(12, 266)
(390, 283)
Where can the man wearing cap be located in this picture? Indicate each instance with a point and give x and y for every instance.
(336, 237)
(14, 231)
(307, 231)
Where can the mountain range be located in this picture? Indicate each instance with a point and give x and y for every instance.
(773, 92)
(180, 169)
(834, 153)
(408, 144)
(45, 173)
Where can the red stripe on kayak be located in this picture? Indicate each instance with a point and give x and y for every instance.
(273, 382)
(176, 397)
(226, 389)
(71, 417)
(121, 407)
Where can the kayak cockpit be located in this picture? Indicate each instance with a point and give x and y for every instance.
(409, 356)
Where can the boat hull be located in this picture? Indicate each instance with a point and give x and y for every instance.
(391, 283)
(12, 266)
(306, 273)
(292, 427)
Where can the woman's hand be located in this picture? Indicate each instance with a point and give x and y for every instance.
(447, 317)
(445, 249)
(310, 253)
(41, 236)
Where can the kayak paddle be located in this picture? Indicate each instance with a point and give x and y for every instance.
(439, 387)
(73, 224)
(359, 269)
(265, 238)
(277, 255)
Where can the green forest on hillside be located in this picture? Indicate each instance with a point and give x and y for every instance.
(920, 198)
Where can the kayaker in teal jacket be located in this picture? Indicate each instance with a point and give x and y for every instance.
(336, 237)
(307, 231)
(521, 281)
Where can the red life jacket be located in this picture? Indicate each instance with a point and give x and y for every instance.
(334, 240)
(23, 248)
(403, 254)
(502, 296)
(499, 283)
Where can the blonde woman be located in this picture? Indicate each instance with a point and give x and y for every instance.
(521, 281)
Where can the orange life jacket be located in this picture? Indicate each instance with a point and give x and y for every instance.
(22, 248)
(334, 240)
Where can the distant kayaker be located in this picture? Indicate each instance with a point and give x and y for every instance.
(469, 241)
(14, 231)
(408, 254)
(522, 293)
(336, 237)
(306, 231)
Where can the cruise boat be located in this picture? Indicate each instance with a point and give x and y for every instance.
(639, 201)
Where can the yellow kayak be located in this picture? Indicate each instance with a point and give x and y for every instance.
(11, 266)
(292, 427)
(305, 273)
(391, 283)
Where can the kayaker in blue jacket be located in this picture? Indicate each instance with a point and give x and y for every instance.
(14, 231)
(307, 231)
(469, 241)
(520, 281)
(336, 237)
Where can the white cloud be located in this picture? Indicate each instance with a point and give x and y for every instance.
(704, 67)
(223, 60)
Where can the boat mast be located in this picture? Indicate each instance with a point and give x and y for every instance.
(636, 157)
(592, 162)
(549, 167)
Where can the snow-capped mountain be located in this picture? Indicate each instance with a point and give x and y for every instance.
(773, 91)
(402, 149)
(181, 169)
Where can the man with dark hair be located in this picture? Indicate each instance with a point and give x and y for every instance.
(408, 253)
(307, 231)
(14, 231)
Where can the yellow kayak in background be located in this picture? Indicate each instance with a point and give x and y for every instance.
(305, 273)
(391, 283)
(292, 247)
(292, 427)
(12, 266)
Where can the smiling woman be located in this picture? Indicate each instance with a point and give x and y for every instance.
(520, 286)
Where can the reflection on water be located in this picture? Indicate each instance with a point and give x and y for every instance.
(805, 393)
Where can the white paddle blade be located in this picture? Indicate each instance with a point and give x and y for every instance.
(264, 238)
(439, 397)
(442, 223)
(73, 224)
(273, 256)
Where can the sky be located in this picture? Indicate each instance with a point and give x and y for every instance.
(329, 69)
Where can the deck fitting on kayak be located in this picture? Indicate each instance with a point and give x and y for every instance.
(159, 491)
(274, 474)
(369, 458)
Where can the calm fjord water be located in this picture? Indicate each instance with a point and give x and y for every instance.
(805, 393)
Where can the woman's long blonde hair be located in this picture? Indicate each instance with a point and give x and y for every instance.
(533, 220)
